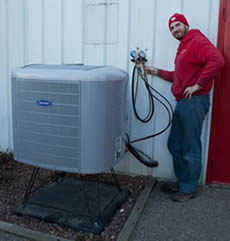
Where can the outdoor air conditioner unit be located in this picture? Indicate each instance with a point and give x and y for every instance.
(70, 118)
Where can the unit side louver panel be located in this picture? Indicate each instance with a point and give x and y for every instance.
(47, 134)
(53, 87)
(51, 129)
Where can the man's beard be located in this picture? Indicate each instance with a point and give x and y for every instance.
(183, 34)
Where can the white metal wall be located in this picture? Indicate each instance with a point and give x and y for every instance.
(100, 32)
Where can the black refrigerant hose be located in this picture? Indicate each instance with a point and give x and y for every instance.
(140, 155)
(151, 103)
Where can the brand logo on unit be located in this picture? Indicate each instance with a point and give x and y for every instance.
(44, 102)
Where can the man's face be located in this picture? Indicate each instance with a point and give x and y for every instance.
(178, 30)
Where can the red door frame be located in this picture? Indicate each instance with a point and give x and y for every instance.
(215, 109)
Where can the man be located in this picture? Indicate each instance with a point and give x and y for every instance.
(196, 64)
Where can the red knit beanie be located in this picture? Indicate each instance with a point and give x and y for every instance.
(178, 17)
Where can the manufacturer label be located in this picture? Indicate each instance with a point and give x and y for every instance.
(44, 102)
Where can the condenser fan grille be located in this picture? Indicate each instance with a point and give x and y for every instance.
(50, 133)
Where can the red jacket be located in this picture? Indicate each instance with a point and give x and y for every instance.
(197, 61)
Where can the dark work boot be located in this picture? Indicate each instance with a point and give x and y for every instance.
(183, 196)
(169, 188)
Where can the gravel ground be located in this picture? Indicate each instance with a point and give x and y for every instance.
(14, 177)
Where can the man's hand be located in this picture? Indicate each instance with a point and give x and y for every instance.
(151, 70)
(191, 90)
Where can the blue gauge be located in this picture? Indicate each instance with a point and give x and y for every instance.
(133, 53)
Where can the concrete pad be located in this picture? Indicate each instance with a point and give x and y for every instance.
(206, 217)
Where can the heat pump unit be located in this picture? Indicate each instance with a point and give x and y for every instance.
(71, 118)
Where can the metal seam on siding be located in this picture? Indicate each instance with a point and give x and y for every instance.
(96, 44)
(23, 29)
(129, 65)
(99, 4)
(129, 33)
(209, 17)
(7, 35)
(62, 30)
(43, 29)
(83, 32)
(154, 25)
(10, 139)
(10, 142)
(118, 14)
(155, 5)
(25, 12)
(105, 32)
(182, 6)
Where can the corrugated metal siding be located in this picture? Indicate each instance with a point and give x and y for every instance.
(100, 32)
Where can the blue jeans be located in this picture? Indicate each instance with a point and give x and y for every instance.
(184, 140)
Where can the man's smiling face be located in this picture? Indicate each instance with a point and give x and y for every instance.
(178, 30)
